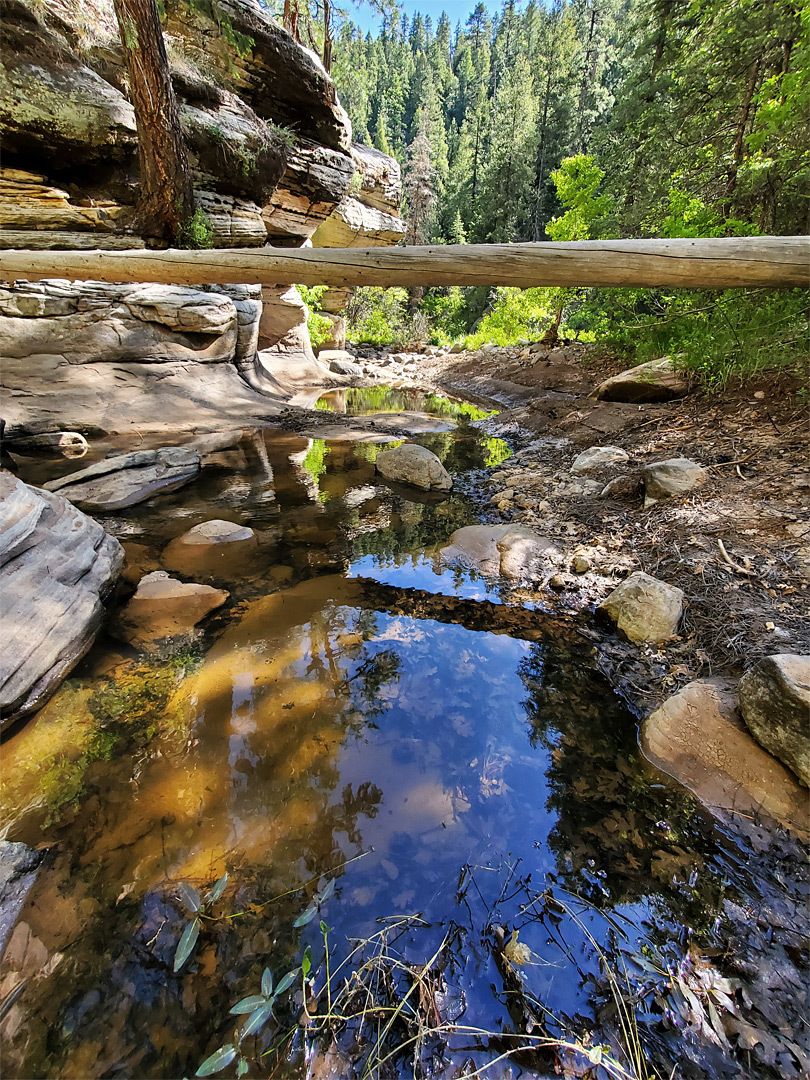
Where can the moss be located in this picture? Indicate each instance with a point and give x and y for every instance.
(196, 231)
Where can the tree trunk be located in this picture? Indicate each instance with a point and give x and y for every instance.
(717, 263)
(166, 195)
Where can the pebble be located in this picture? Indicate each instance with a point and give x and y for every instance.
(581, 565)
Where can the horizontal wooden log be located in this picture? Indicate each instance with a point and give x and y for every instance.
(776, 261)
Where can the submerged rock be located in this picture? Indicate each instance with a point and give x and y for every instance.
(18, 870)
(644, 608)
(56, 567)
(118, 482)
(698, 737)
(675, 476)
(655, 381)
(69, 444)
(219, 548)
(775, 703)
(165, 607)
(516, 551)
(597, 457)
(416, 465)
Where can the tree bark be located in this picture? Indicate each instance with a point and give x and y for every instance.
(717, 263)
(166, 195)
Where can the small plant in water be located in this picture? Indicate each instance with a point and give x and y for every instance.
(199, 910)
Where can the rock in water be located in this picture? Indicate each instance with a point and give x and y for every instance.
(698, 737)
(775, 703)
(516, 551)
(644, 608)
(118, 482)
(675, 476)
(416, 465)
(56, 567)
(219, 548)
(18, 870)
(655, 381)
(165, 607)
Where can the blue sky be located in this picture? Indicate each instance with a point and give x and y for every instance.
(457, 10)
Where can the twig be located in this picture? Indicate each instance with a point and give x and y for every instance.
(728, 560)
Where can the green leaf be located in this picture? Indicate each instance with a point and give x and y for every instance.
(242, 1067)
(218, 1060)
(248, 1004)
(307, 916)
(257, 1020)
(218, 890)
(267, 982)
(186, 944)
(306, 963)
(190, 897)
(324, 928)
(287, 981)
(329, 888)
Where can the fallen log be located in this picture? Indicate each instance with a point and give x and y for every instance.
(733, 262)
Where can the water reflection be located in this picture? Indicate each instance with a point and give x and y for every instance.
(432, 754)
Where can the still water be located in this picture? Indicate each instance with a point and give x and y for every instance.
(355, 714)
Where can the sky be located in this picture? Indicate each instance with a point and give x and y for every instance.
(457, 10)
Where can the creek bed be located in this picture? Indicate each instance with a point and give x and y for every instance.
(359, 714)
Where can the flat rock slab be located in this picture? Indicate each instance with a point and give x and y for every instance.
(164, 607)
(119, 482)
(516, 551)
(675, 476)
(644, 608)
(56, 567)
(597, 457)
(775, 704)
(415, 465)
(655, 381)
(698, 737)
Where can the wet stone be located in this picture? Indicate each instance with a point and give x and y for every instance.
(164, 607)
(775, 703)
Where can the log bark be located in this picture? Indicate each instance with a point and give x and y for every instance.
(165, 195)
(773, 261)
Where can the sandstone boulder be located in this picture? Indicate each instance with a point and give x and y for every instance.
(516, 551)
(164, 607)
(118, 482)
(775, 703)
(341, 364)
(644, 608)
(416, 465)
(90, 322)
(698, 737)
(655, 381)
(597, 457)
(56, 568)
(353, 224)
(676, 476)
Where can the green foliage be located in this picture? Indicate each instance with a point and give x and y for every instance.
(717, 336)
(196, 232)
(515, 314)
(577, 181)
(319, 326)
(378, 316)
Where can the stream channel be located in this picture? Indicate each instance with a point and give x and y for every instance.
(358, 713)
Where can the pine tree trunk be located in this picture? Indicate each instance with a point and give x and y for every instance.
(166, 195)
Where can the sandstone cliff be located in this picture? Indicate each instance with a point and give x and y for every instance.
(272, 159)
